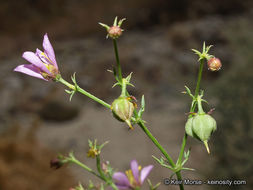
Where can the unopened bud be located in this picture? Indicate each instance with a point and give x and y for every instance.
(93, 152)
(56, 163)
(114, 32)
(105, 166)
(122, 110)
(214, 64)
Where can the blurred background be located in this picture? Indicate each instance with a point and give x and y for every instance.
(37, 121)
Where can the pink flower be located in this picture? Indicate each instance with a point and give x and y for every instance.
(132, 178)
(43, 64)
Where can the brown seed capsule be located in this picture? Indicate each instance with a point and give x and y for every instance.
(114, 32)
(214, 64)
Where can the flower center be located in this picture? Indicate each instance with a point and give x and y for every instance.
(49, 65)
(131, 178)
(45, 59)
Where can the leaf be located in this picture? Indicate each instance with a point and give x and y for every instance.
(73, 78)
(121, 21)
(160, 161)
(90, 143)
(196, 52)
(102, 145)
(68, 91)
(188, 90)
(143, 103)
(190, 169)
(115, 21)
(151, 187)
(117, 83)
(104, 25)
(128, 78)
(72, 94)
(204, 47)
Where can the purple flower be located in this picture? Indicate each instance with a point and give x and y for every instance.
(43, 64)
(133, 178)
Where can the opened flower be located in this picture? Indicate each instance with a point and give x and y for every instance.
(43, 64)
(134, 178)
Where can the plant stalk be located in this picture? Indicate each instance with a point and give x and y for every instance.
(163, 151)
(82, 91)
(117, 59)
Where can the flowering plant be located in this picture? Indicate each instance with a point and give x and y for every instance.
(43, 64)
(200, 125)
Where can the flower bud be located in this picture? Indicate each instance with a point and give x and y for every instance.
(105, 167)
(122, 110)
(114, 32)
(56, 163)
(214, 64)
(93, 152)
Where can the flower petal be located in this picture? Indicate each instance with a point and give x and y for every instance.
(29, 70)
(135, 169)
(121, 179)
(43, 57)
(35, 60)
(145, 171)
(49, 50)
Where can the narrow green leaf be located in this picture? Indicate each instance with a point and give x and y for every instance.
(115, 21)
(121, 21)
(104, 25)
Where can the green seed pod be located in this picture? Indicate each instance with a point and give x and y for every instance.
(188, 127)
(203, 125)
(122, 110)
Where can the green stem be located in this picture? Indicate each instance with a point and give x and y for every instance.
(159, 146)
(179, 177)
(200, 109)
(180, 157)
(82, 91)
(153, 139)
(108, 181)
(198, 84)
(99, 168)
(123, 88)
(77, 162)
(141, 124)
(117, 59)
(191, 110)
